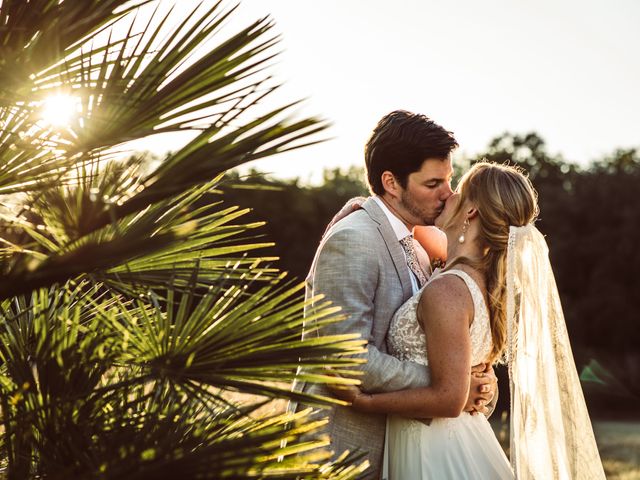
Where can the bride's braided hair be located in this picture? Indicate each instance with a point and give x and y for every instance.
(504, 197)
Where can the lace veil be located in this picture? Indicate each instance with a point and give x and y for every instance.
(551, 434)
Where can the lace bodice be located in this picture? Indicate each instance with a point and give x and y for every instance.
(407, 341)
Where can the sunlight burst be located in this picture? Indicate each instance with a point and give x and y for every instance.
(59, 110)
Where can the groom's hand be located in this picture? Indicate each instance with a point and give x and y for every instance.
(482, 389)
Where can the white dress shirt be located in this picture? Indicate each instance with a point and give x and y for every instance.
(401, 231)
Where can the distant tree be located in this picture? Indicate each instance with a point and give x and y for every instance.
(296, 214)
(607, 239)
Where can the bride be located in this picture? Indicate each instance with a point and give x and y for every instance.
(495, 300)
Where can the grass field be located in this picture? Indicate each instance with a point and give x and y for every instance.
(619, 445)
(618, 442)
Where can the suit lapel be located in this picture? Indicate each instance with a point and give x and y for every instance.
(392, 244)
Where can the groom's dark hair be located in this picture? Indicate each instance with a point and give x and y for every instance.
(400, 143)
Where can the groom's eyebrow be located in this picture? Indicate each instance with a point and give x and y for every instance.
(438, 180)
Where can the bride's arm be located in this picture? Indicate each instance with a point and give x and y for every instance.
(445, 310)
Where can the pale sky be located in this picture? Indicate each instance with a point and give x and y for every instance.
(567, 69)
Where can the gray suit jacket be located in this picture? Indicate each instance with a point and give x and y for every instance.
(360, 265)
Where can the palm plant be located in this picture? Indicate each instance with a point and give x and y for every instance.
(131, 300)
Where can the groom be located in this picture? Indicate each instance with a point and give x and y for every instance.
(367, 264)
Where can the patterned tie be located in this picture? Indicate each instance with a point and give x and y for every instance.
(412, 259)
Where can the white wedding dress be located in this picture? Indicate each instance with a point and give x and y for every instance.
(449, 448)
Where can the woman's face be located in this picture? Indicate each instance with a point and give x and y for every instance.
(450, 207)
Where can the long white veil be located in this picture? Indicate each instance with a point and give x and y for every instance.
(551, 434)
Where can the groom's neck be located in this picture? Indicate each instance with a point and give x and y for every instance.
(396, 210)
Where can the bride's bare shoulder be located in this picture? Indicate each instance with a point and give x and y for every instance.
(445, 296)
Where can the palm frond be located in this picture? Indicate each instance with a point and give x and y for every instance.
(165, 242)
(163, 79)
(83, 371)
(36, 34)
(135, 308)
(191, 336)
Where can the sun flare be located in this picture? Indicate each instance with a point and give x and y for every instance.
(59, 110)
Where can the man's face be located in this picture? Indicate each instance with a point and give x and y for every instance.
(426, 192)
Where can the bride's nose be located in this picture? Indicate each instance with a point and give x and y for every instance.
(451, 198)
(446, 192)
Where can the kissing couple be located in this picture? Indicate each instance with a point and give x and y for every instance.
(428, 386)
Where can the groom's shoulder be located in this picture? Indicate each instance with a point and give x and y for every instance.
(358, 223)
(360, 218)
(369, 215)
(356, 232)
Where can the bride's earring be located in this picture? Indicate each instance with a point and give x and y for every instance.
(464, 230)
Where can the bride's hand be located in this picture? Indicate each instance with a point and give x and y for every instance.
(482, 389)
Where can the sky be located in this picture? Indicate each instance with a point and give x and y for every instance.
(569, 70)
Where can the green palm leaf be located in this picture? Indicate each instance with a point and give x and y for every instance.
(190, 337)
(142, 329)
(165, 242)
(36, 34)
(69, 355)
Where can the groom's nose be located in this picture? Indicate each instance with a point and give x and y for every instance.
(446, 191)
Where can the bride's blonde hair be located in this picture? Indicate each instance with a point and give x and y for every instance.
(504, 197)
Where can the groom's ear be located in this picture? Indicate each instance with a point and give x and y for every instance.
(390, 183)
